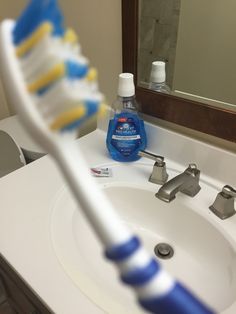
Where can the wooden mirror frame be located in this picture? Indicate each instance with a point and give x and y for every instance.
(191, 114)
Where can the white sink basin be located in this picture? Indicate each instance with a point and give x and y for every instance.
(204, 257)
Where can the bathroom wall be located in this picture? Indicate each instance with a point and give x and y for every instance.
(8, 9)
(4, 110)
(98, 24)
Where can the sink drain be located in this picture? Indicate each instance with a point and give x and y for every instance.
(164, 250)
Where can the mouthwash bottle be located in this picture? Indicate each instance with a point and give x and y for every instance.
(158, 78)
(126, 134)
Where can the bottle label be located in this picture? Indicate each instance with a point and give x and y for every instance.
(126, 138)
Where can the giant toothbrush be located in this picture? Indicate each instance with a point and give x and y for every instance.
(55, 91)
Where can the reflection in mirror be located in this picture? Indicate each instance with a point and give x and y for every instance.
(195, 38)
(158, 78)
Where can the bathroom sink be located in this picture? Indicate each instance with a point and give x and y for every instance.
(204, 257)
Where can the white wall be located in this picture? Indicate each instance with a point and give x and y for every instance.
(4, 110)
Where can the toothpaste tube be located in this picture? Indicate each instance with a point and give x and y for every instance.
(101, 172)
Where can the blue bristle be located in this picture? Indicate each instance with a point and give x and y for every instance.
(92, 108)
(43, 90)
(73, 71)
(76, 70)
(34, 14)
(73, 126)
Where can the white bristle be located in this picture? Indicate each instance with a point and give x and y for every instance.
(45, 54)
(64, 94)
(48, 52)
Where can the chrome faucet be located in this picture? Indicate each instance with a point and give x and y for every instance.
(186, 182)
(223, 206)
(159, 174)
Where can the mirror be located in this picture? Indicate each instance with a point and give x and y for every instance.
(195, 40)
(202, 105)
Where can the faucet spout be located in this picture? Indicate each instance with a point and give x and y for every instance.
(186, 182)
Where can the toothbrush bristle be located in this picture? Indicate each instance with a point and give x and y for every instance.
(69, 69)
(35, 13)
(68, 118)
(27, 44)
(56, 74)
(70, 36)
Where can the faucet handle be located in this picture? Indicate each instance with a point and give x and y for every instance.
(193, 170)
(228, 191)
(159, 174)
(223, 206)
(156, 158)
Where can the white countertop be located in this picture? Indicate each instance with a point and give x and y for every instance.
(26, 198)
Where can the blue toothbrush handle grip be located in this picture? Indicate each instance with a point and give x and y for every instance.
(178, 301)
(175, 300)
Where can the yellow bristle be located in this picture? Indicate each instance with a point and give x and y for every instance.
(68, 117)
(52, 75)
(103, 110)
(70, 36)
(92, 75)
(31, 41)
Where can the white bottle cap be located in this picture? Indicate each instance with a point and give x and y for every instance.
(158, 72)
(126, 85)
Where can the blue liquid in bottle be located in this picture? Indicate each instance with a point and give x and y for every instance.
(126, 134)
